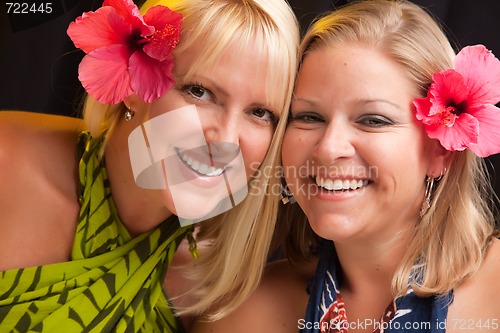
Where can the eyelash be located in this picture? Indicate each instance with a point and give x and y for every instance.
(373, 120)
(186, 88)
(273, 119)
(306, 117)
(369, 120)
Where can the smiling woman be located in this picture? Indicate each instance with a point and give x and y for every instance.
(174, 125)
(411, 245)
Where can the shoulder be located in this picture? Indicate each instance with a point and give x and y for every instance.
(25, 135)
(276, 306)
(37, 145)
(38, 163)
(477, 299)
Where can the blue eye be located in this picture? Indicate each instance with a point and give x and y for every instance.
(372, 120)
(306, 117)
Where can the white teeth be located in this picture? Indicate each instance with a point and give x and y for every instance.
(215, 172)
(203, 169)
(340, 185)
(200, 167)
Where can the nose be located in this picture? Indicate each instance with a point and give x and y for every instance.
(223, 127)
(336, 143)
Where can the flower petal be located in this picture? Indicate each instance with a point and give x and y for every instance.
(489, 133)
(481, 71)
(457, 137)
(101, 28)
(423, 107)
(167, 25)
(129, 11)
(149, 77)
(104, 74)
(447, 89)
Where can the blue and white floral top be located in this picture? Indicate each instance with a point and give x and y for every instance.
(326, 312)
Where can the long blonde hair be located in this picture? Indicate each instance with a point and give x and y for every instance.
(231, 268)
(451, 238)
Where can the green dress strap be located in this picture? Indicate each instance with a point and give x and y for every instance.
(113, 282)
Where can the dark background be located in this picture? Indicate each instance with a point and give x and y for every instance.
(38, 62)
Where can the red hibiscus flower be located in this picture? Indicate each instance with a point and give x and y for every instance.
(126, 53)
(459, 109)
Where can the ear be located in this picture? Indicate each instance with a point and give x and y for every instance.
(440, 159)
(134, 103)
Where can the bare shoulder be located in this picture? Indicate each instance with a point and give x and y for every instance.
(38, 163)
(276, 306)
(476, 302)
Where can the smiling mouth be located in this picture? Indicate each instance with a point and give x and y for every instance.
(339, 185)
(199, 167)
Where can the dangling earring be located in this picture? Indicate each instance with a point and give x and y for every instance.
(129, 113)
(286, 195)
(429, 185)
(430, 182)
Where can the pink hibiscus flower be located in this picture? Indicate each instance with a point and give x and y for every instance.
(126, 53)
(459, 109)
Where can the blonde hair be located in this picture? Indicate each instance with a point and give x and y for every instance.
(231, 268)
(450, 239)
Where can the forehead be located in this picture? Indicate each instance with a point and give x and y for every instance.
(203, 54)
(250, 59)
(352, 72)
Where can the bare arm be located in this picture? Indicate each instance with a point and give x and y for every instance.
(38, 191)
(476, 305)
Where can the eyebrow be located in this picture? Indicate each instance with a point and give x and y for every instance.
(304, 100)
(359, 101)
(380, 100)
(220, 91)
(213, 85)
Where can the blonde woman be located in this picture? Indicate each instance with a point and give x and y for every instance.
(86, 240)
(383, 155)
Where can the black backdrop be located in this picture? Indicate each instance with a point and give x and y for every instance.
(38, 63)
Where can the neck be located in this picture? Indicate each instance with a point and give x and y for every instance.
(368, 267)
(366, 273)
(140, 210)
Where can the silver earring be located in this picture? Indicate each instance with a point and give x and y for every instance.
(286, 195)
(429, 186)
(430, 183)
(129, 114)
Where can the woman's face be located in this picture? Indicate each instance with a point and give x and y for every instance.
(354, 156)
(218, 141)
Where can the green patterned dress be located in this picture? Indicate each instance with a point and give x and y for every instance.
(113, 282)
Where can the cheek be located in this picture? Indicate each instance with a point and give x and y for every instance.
(400, 166)
(297, 146)
(172, 100)
(294, 155)
(254, 148)
(287, 153)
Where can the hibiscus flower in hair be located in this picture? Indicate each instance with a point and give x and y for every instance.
(126, 53)
(459, 109)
